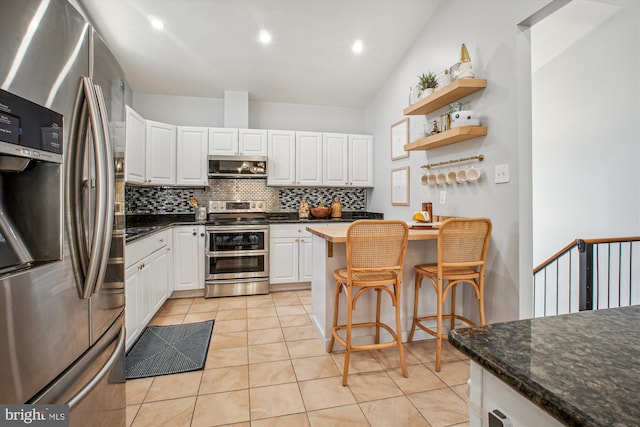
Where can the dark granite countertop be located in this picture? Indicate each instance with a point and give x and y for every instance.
(581, 368)
(141, 225)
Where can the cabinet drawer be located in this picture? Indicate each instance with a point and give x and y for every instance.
(291, 230)
(141, 248)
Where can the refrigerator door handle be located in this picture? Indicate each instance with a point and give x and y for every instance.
(113, 359)
(109, 179)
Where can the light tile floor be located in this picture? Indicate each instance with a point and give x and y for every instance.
(266, 367)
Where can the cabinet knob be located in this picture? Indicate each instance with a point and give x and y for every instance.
(161, 240)
(195, 234)
(201, 234)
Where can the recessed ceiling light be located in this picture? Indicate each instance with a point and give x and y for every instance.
(156, 23)
(357, 46)
(264, 37)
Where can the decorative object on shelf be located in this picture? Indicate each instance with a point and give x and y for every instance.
(465, 70)
(414, 94)
(454, 71)
(454, 107)
(464, 118)
(445, 122)
(303, 210)
(320, 211)
(399, 137)
(444, 78)
(400, 186)
(434, 128)
(428, 208)
(336, 208)
(427, 84)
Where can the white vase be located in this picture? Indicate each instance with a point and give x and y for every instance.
(426, 92)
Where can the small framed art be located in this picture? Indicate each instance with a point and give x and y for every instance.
(400, 186)
(399, 138)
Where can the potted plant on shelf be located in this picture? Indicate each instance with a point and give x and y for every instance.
(427, 83)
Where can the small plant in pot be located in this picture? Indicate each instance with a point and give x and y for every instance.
(427, 83)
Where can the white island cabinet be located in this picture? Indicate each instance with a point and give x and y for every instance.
(290, 259)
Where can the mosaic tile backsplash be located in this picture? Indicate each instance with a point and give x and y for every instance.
(167, 200)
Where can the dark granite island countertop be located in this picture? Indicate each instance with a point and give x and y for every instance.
(582, 368)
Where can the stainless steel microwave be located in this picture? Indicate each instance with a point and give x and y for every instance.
(237, 167)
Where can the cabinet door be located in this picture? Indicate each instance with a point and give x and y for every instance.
(335, 159)
(191, 156)
(159, 266)
(252, 142)
(146, 293)
(281, 161)
(306, 259)
(135, 141)
(161, 153)
(223, 142)
(132, 308)
(283, 260)
(361, 160)
(188, 256)
(308, 158)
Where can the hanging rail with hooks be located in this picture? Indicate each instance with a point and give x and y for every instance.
(479, 157)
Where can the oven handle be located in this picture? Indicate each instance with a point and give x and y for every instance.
(236, 253)
(218, 228)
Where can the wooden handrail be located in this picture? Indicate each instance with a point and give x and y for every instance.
(558, 254)
(570, 246)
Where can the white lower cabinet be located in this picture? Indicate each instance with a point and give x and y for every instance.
(188, 257)
(149, 268)
(290, 256)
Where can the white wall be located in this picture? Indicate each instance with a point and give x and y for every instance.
(488, 29)
(194, 111)
(586, 147)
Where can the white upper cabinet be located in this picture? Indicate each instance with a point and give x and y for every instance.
(347, 160)
(335, 159)
(135, 158)
(308, 158)
(161, 153)
(191, 156)
(360, 161)
(223, 142)
(252, 142)
(281, 163)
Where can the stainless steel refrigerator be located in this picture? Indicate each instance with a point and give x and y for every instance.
(61, 214)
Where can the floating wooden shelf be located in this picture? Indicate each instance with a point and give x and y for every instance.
(445, 96)
(447, 137)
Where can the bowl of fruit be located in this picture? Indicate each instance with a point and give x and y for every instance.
(320, 211)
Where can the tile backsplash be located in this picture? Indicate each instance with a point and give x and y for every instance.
(168, 200)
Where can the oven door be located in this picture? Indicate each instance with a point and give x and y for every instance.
(236, 265)
(237, 239)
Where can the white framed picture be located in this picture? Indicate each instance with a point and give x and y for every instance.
(399, 138)
(400, 186)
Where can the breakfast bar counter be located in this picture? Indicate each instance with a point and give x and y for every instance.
(578, 369)
(329, 254)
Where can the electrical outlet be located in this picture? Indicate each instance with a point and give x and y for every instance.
(502, 173)
(443, 197)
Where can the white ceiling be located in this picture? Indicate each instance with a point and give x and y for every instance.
(209, 46)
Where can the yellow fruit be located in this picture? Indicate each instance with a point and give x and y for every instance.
(421, 216)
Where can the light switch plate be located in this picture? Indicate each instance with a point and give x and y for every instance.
(502, 173)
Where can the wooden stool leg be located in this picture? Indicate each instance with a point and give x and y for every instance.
(378, 303)
(347, 354)
(396, 291)
(453, 307)
(481, 299)
(415, 306)
(335, 315)
(439, 325)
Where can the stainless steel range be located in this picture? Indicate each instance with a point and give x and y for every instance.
(237, 252)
